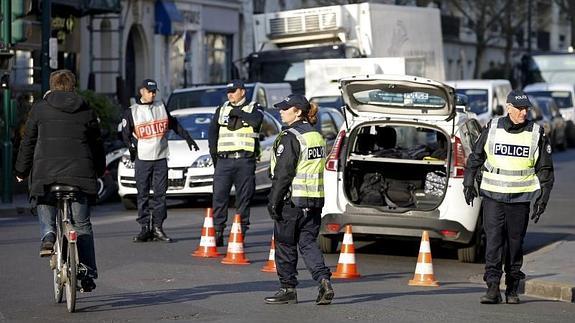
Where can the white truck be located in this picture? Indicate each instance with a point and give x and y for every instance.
(285, 39)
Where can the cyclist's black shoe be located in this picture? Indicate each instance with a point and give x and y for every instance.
(47, 246)
(87, 285)
(144, 235)
(160, 235)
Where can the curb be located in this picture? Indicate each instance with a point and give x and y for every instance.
(550, 290)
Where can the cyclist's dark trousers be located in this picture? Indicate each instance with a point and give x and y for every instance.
(82, 225)
(152, 174)
(505, 226)
(294, 230)
(241, 173)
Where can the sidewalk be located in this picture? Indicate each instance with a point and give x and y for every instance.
(551, 271)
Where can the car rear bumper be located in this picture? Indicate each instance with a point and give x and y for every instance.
(370, 226)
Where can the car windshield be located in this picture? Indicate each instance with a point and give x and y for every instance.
(196, 125)
(562, 98)
(397, 95)
(208, 97)
(544, 106)
(476, 98)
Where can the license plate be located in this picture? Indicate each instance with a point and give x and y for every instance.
(175, 174)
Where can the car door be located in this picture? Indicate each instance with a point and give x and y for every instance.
(268, 133)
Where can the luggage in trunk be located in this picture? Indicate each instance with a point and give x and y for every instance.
(405, 168)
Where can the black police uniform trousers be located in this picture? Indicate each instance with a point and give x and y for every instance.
(505, 225)
(151, 174)
(241, 173)
(298, 229)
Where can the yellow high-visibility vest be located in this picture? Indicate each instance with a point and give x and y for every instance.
(509, 171)
(240, 139)
(307, 184)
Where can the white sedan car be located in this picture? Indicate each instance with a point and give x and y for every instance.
(190, 173)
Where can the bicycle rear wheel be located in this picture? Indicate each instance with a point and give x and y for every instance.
(56, 265)
(72, 280)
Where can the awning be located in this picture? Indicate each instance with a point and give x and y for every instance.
(166, 14)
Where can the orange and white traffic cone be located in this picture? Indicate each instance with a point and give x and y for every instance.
(235, 255)
(270, 265)
(207, 247)
(346, 267)
(424, 269)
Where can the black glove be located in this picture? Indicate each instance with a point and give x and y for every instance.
(133, 153)
(538, 209)
(236, 112)
(470, 194)
(192, 145)
(275, 211)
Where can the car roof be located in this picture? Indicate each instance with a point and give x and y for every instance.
(549, 87)
(462, 84)
(187, 111)
(223, 86)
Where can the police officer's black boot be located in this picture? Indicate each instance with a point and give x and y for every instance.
(144, 235)
(511, 296)
(325, 294)
(159, 234)
(219, 238)
(493, 295)
(286, 295)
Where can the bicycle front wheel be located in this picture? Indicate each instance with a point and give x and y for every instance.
(56, 265)
(72, 280)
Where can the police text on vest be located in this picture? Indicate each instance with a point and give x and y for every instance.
(511, 150)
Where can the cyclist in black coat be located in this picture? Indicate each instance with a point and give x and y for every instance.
(62, 145)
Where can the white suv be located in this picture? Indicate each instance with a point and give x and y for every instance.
(397, 167)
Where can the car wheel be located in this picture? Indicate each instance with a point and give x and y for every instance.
(475, 252)
(328, 244)
(570, 134)
(106, 188)
(129, 203)
(562, 145)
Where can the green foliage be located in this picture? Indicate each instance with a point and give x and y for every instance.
(107, 111)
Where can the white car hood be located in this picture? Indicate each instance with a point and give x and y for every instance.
(179, 154)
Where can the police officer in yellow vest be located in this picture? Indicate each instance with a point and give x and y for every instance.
(234, 146)
(512, 162)
(296, 199)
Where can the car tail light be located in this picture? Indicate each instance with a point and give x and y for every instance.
(458, 159)
(332, 159)
(332, 227)
(449, 233)
(73, 236)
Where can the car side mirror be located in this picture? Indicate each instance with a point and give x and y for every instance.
(262, 136)
(498, 110)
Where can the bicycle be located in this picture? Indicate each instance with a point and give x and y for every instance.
(65, 262)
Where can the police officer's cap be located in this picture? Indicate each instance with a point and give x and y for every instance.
(233, 85)
(518, 99)
(149, 85)
(294, 100)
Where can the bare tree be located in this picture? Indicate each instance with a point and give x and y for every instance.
(482, 16)
(568, 7)
(511, 24)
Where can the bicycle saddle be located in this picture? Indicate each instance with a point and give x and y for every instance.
(63, 188)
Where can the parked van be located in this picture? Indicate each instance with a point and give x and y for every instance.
(486, 98)
(563, 94)
(266, 94)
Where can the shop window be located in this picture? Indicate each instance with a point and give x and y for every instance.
(218, 57)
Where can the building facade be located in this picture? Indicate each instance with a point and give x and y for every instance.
(177, 43)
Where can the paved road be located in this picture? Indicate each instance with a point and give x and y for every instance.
(153, 282)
